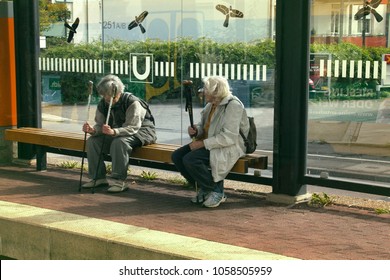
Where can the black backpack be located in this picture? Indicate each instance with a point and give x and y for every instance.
(129, 98)
(250, 140)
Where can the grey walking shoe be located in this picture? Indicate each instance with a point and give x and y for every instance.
(92, 184)
(214, 200)
(117, 185)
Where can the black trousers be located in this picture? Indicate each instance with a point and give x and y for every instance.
(195, 167)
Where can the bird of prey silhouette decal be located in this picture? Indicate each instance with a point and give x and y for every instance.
(228, 12)
(137, 22)
(369, 7)
(72, 29)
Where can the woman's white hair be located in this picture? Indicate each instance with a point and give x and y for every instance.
(104, 87)
(217, 86)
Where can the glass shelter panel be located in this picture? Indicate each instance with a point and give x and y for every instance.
(349, 91)
(153, 46)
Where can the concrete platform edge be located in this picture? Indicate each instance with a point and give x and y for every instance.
(28, 232)
(287, 199)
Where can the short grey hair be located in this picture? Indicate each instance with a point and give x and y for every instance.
(218, 86)
(104, 87)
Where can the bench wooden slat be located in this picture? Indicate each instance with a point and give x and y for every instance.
(71, 141)
(155, 152)
(149, 153)
(257, 161)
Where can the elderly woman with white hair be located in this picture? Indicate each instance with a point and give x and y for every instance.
(130, 124)
(217, 143)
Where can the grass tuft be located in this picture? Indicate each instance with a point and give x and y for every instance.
(148, 175)
(320, 200)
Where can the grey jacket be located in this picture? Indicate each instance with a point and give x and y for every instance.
(224, 140)
(127, 121)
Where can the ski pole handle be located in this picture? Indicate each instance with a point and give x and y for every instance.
(188, 94)
(90, 90)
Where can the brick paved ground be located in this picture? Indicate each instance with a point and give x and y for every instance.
(247, 220)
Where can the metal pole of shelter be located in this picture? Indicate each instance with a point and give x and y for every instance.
(291, 96)
(28, 77)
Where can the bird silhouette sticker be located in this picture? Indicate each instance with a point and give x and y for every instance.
(72, 29)
(369, 7)
(138, 20)
(228, 12)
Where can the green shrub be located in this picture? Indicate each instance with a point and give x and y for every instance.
(182, 52)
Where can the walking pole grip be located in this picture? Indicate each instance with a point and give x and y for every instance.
(113, 94)
(188, 95)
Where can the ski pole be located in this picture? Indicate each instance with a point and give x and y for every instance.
(113, 94)
(90, 90)
(188, 95)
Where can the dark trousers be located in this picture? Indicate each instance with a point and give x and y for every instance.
(119, 148)
(195, 167)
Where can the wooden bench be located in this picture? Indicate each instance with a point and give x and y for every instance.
(71, 143)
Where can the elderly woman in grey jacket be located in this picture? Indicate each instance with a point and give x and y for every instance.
(130, 124)
(217, 143)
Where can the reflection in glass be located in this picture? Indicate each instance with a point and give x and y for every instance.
(348, 128)
(153, 46)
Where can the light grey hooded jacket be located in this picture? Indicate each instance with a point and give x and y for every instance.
(224, 140)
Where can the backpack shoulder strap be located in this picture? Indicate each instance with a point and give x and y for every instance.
(130, 98)
(231, 99)
(241, 133)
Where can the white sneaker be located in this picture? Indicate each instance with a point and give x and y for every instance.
(91, 184)
(117, 185)
(214, 200)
